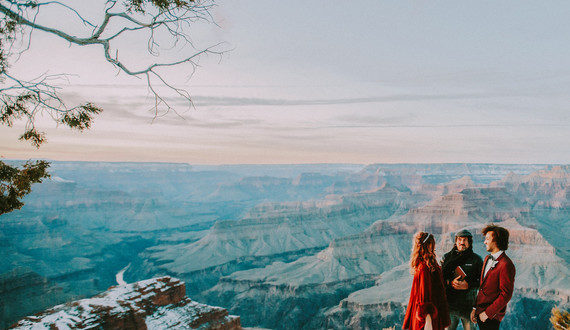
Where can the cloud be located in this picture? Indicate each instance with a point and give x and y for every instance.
(441, 125)
(238, 101)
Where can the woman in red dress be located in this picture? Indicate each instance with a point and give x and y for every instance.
(427, 308)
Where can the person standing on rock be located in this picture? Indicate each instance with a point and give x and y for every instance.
(461, 268)
(497, 280)
(427, 308)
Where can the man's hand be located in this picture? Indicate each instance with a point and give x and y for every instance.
(459, 284)
(483, 317)
(473, 318)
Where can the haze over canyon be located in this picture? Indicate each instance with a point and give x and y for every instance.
(279, 246)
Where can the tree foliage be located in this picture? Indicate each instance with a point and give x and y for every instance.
(16, 182)
(25, 99)
(560, 319)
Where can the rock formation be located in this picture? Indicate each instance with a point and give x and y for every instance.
(277, 232)
(290, 246)
(158, 303)
(380, 253)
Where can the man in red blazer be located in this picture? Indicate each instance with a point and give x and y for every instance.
(497, 280)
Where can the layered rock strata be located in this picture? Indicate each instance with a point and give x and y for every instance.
(275, 233)
(280, 228)
(542, 282)
(541, 274)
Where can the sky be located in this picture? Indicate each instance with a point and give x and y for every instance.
(324, 82)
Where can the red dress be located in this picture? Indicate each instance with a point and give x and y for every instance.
(427, 297)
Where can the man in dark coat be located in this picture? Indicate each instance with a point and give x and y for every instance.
(461, 290)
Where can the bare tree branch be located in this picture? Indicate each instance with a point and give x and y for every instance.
(170, 17)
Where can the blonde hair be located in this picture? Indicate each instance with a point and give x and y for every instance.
(423, 251)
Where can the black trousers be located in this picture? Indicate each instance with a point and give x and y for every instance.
(489, 324)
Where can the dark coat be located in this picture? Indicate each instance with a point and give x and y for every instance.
(427, 297)
(496, 288)
(462, 301)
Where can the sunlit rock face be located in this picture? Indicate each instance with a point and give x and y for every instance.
(540, 186)
(416, 176)
(546, 194)
(542, 281)
(159, 303)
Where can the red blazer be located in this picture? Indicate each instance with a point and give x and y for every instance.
(496, 288)
(427, 297)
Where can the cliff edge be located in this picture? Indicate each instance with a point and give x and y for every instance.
(158, 303)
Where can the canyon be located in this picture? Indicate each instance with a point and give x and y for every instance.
(284, 246)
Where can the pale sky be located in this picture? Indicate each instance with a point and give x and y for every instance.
(324, 82)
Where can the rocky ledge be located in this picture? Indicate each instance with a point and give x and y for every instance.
(158, 303)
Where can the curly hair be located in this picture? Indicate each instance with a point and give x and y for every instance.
(500, 235)
(423, 251)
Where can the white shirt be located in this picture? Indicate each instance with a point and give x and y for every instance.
(491, 263)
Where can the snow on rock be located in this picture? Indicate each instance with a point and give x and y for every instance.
(158, 303)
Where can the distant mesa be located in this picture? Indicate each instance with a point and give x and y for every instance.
(158, 303)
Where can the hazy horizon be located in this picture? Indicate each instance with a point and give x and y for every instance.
(304, 82)
(272, 164)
